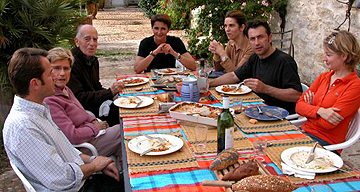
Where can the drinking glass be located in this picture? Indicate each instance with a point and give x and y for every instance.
(320, 188)
(201, 135)
(259, 145)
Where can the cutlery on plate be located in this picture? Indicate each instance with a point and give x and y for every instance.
(259, 110)
(238, 86)
(157, 138)
(312, 154)
(150, 149)
(268, 113)
(329, 164)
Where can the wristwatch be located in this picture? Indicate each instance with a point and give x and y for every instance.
(224, 58)
(152, 54)
(178, 57)
(92, 158)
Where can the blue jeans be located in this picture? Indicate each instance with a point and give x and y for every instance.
(320, 141)
(102, 183)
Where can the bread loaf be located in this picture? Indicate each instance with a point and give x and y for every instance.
(224, 159)
(264, 183)
(244, 170)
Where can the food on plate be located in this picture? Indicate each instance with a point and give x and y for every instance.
(197, 109)
(132, 81)
(168, 70)
(224, 159)
(228, 88)
(170, 81)
(264, 183)
(253, 121)
(244, 170)
(158, 146)
(299, 159)
(130, 101)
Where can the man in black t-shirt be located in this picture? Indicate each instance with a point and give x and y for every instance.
(269, 72)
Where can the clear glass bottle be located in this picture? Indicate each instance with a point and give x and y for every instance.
(225, 127)
(202, 78)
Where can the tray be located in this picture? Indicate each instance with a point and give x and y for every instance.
(195, 118)
(220, 173)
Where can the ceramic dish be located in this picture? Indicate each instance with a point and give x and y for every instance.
(142, 80)
(142, 143)
(132, 102)
(168, 71)
(242, 90)
(270, 113)
(296, 157)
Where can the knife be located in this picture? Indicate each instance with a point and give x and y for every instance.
(150, 149)
(157, 138)
(312, 154)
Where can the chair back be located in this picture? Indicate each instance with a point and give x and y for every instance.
(352, 135)
(283, 41)
(304, 87)
(26, 183)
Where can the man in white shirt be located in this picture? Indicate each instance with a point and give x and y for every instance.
(32, 140)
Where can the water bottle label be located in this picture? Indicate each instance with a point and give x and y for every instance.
(229, 138)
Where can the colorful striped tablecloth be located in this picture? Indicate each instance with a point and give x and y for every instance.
(189, 179)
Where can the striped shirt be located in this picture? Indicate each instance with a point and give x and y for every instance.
(39, 149)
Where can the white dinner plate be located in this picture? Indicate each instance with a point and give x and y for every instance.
(166, 72)
(245, 89)
(125, 102)
(141, 144)
(145, 80)
(296, 157)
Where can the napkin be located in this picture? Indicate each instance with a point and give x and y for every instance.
(105, 108)
(286, 169)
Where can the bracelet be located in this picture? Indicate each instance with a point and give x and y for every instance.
(152, 54)
(91, 159)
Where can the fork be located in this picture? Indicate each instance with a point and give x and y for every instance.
(312, 154)
(238, 86)
(331, 165)
(157, 138)
(260, 111)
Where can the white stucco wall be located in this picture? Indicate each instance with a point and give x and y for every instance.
(312, 21)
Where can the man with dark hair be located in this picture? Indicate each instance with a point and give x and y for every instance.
(35, 144)
(270, 73)
(84, 80)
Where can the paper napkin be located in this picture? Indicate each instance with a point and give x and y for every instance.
(286, 169)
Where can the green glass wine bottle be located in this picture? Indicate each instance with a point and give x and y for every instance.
(225, 127)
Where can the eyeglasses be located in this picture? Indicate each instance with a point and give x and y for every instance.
(332, 39)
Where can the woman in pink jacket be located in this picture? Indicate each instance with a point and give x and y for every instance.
(71, 117)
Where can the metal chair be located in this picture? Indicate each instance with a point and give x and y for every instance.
(283, 41)
(26, 183)
(295, 118)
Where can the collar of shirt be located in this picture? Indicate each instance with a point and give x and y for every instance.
(346, 79)
(241, 47)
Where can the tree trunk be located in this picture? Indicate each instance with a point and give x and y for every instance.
(90, 8)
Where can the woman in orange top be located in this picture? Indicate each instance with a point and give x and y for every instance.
(332, 100)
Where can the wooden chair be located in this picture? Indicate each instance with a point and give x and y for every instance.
(283, 41)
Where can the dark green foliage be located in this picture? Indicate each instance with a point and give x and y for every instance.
(33, 23)
(148, 7)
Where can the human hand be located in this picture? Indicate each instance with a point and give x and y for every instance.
(308, 97)
(100, 162)
(111, 171)
(159, 49)
(330, 115)
(116, 87)
(255, 85)
(217, 48)
(167, 49)
(101, 125)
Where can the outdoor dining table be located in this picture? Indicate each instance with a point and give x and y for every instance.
(185, 170)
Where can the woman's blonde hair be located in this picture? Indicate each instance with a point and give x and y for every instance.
(344, 42)
(59, 53)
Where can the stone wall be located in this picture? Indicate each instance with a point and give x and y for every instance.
(312, 21)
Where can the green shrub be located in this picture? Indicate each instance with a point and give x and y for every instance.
(178, 10)
(148, 7)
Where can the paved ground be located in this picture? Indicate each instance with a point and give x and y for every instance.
(120, 32)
